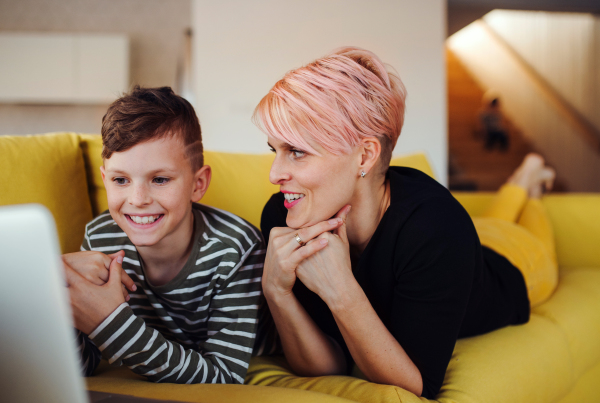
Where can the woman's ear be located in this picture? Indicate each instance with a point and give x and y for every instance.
(201, 181)
(370, 152)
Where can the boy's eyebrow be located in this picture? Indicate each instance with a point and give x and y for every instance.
(115, 171)
(166, 169)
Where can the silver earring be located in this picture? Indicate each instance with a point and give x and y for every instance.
(363, 174)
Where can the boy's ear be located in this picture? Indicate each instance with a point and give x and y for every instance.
(370, 152)
(201, 181)
(103, 173)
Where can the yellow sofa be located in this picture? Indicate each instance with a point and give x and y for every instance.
(553, 358)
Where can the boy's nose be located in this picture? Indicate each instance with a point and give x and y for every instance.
(140, 196)
(278, 173)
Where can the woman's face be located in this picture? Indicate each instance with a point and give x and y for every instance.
(315, 187)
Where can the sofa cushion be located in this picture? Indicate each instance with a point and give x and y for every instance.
(91, 146)
(586, 389)
(417, 161)
(575, 219)
(123, 381)
(48, 170)
(240, 182)
(575, 309)
(476, 203)
(525, 363)
(274, 371)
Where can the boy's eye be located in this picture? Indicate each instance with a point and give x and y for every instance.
(161, 180)
(120, 181)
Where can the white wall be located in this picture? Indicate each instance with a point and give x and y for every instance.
(241, 48)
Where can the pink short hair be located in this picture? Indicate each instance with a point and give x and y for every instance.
(337, 100)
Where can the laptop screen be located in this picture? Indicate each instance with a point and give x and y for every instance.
(37, 340)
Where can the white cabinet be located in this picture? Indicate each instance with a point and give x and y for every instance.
(63, 68)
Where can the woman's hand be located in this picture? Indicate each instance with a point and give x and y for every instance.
(308, 350)
(285, 253)
(94, 267)
(325, 272)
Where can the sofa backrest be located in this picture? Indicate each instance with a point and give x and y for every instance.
(61, 171)
(240, 182)
(48, 170)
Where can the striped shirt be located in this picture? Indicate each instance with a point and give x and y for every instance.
(201, 326)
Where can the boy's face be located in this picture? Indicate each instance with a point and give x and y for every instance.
(150, 188)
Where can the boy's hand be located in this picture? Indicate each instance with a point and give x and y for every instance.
(92, 303)
(93, 266)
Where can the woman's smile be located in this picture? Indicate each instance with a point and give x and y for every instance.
(291, 199)
(315, 187)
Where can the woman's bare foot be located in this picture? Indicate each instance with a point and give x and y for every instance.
(533, 175)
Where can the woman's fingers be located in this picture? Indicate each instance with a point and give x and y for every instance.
(309, 233)
(343, 215)
(308, 250)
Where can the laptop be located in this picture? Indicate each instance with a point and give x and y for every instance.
(38, 356)
(37, 341)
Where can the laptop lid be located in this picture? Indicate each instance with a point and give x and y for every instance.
(37, 340)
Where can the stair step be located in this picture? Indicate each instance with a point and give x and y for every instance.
(475, 166)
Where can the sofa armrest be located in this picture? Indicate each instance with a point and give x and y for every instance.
(575, 219)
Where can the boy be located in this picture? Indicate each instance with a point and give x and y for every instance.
(192, 313)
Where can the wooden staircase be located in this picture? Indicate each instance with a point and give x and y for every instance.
(471, 166)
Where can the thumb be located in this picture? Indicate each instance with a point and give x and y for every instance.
(114, 255)
(343, 214)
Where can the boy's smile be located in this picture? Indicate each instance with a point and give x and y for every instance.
(144, 220)
(150, 189)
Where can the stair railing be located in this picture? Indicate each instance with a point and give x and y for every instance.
(587, 130)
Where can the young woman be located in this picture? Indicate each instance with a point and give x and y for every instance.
(380, 266)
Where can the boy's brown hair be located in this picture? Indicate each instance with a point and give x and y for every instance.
(151, 113)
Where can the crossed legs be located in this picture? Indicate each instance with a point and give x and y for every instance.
(517, 227)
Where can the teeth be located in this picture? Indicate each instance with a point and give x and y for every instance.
(290, 197)
(144, 220)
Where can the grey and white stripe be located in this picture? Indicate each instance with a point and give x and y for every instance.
(205, 318)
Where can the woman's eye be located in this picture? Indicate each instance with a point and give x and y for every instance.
(298, 153)
(161, 181)
(120, 181)
(272, 150)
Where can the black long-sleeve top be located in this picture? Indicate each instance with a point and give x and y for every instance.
(426, 275)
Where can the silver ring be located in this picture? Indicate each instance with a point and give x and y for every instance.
(299, 240)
